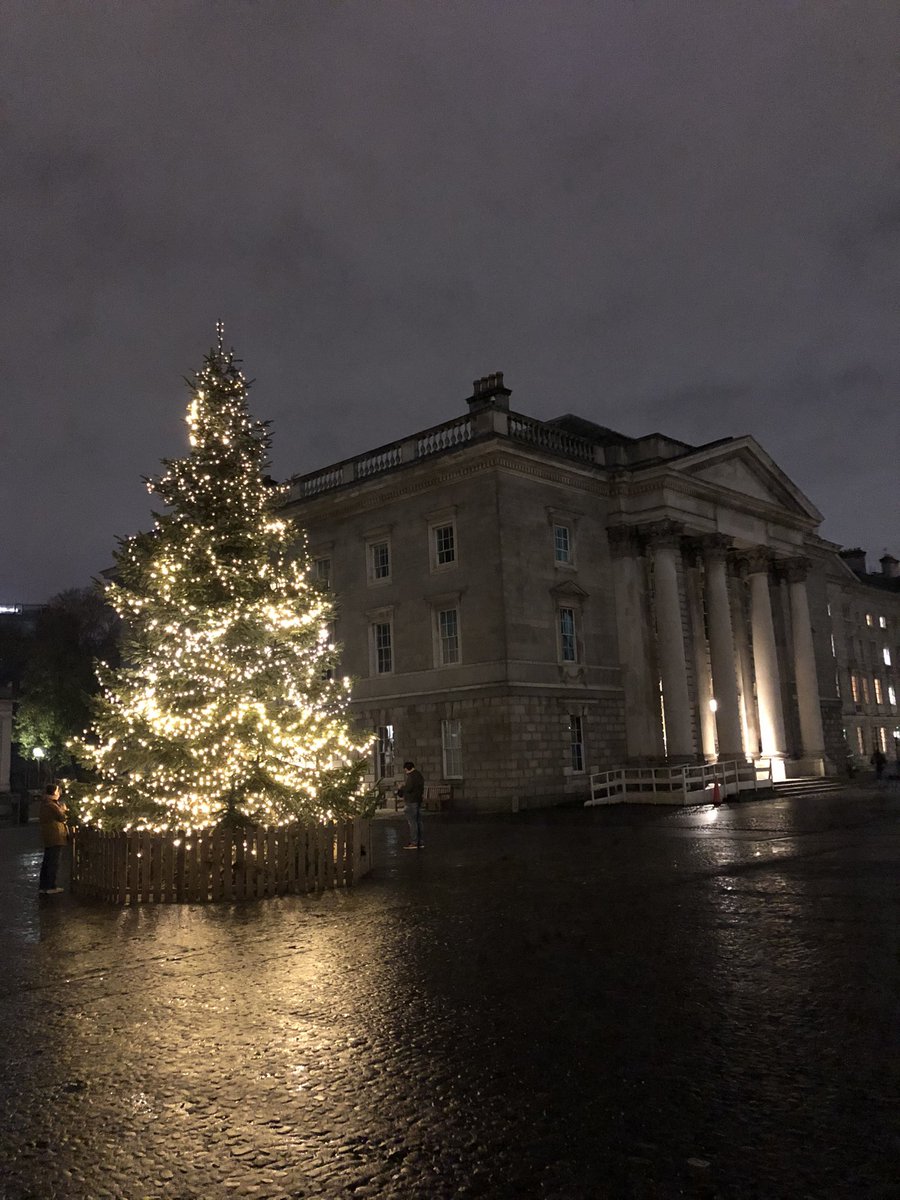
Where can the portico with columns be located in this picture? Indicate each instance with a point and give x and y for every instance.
(719, 664)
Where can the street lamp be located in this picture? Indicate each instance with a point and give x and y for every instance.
(39, 754)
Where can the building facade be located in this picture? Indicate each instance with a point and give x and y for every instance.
(865, 621)
(524, 602)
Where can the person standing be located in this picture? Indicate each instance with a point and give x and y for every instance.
(413, 793)
(879, 761)
(54, 835)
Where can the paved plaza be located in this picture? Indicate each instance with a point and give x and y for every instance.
(576, 1004)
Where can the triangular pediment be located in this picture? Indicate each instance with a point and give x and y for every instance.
(742, 468)
(569, 590)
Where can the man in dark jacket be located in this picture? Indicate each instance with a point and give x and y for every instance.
(413, 793)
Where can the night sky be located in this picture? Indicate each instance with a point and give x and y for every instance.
(680, 215)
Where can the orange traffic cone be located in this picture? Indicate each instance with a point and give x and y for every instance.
(717, 797)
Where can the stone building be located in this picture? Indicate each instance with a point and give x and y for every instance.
(524, 602)
(865, 620)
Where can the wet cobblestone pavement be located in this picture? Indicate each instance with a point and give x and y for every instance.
(602, 1003)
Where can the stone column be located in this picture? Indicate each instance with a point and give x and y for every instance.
(749, 717)
(665, 540)
(643, 726)
(702, 675)
(721, 648)
(808, 703)
(765, 660)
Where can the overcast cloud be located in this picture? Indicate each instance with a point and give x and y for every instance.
(660, 214)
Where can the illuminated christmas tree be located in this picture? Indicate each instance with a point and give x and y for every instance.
(225, 708)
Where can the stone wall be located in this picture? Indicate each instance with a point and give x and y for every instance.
(516, 747)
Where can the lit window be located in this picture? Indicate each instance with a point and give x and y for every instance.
(562, 544)
(451, 746)
(444, 545)
(879, 696)
(882, 740)
(860, 741)
(892, 695)
(448, 636)
(833, 649)
(384, 751)
(382, 647)
(865, 689)
(380, 560)
(576, 742)
(886, 655)
(870, 620)
(854, 688)
(882, 623)
(568, 649)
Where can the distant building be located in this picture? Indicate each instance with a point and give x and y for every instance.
(865, 619)
(17, 626)
(523, 602)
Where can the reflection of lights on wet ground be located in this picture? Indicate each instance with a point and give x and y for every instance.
(707, 816)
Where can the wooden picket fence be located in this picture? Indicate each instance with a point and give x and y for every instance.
(219, 864)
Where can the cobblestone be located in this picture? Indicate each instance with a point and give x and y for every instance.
(570, 1005)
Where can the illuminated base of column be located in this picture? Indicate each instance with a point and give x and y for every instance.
(813, 764)
(779, 770)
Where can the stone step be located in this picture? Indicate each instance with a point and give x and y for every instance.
(808, 785)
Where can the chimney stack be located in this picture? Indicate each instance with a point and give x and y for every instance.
(489, 392)
(890, 567)
(855, 560)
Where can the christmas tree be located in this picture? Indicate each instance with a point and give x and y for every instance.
(226, 708)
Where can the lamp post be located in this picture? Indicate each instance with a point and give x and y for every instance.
(39, 754)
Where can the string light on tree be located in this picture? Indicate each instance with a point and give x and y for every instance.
(226, 708)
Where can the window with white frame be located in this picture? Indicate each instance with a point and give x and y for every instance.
(329, 639)
(568, 642)
(444, 544)
(322, 570)
(382, 634)
(447, 635)
(562, 544)
(379, 560)
(576, 743)
(451, 748)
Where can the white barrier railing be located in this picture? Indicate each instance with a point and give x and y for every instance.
(690, 784)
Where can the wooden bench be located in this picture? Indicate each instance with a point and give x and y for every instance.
(438, 796)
